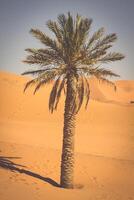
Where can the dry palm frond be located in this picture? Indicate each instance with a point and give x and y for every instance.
(87, 91)
(80, 91)
(53, 95)
(61, 87)
(29, 83)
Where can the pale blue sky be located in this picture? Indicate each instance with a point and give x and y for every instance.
(17, 17)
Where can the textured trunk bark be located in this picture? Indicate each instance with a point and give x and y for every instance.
(67, 159)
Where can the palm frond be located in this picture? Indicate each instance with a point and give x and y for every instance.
(82, 28)
(104, 80)
(97, 35)
(43, 78)
(90, 71)
(110, 57)
(52, 44)
(39, 60)
(53, 95)
(108, 39)
(61, 87)
(29, 83)
(32, 50)
(44, 38)
(62, 21)
(53, 26)
(80, 91)
(43, 56)
(47, 78)
(105, 72)
(87, 91)
(36, 72)
(105, 42)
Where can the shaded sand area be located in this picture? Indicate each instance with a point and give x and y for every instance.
(31, 139)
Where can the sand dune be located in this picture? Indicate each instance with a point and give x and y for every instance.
(104, 143)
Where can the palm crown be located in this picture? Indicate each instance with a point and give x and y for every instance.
(71, 52)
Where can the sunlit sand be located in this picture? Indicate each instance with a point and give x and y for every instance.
(31, 139)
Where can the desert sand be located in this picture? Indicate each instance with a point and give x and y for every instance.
(31, 140)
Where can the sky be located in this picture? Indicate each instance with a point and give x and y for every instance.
(17, 17)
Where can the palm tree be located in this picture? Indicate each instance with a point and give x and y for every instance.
(68, 60)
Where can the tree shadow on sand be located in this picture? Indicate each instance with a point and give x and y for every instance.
(6, 163)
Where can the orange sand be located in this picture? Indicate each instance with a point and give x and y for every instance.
(104, 168)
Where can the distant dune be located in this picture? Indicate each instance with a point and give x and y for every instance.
(104, 143)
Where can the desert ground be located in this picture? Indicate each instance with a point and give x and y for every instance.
(31, 141)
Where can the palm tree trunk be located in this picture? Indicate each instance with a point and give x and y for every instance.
(67, 159)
